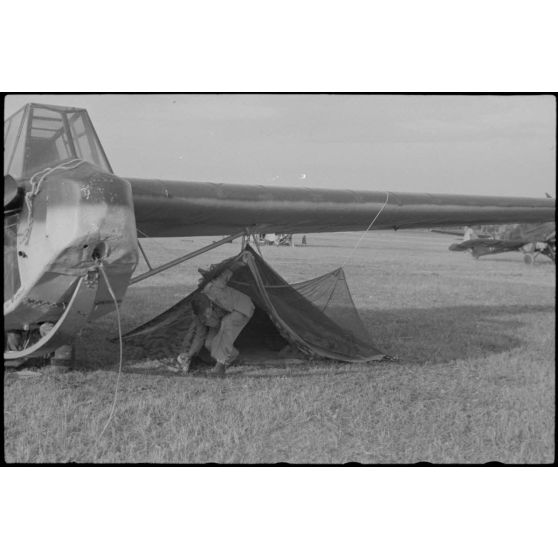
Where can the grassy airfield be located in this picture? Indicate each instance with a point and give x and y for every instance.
(475, 379)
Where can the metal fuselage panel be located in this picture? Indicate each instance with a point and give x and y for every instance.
(78, 216)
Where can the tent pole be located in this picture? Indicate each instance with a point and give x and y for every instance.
(144, 256)
(257, 244)
(189, 256)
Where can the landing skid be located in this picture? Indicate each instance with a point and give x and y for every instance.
(68, 325)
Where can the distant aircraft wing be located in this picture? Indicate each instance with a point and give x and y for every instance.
(165, 208)
(444, 231)
(458, 233)
(491, 245)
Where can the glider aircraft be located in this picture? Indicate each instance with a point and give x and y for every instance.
(528, 239)
(71, 224)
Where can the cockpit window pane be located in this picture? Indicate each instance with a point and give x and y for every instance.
(62, 148)
(12, 133)
(47, 121)
(46, 136)
(84, 139)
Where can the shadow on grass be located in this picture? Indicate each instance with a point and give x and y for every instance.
(439, 335)
(415, 336)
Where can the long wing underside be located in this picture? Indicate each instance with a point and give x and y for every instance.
(171, 208)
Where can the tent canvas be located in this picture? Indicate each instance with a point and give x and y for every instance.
(312, 319)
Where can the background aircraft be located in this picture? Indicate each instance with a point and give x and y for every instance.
(526, 238)
(459, 232)
(275, 239)
(71, 224)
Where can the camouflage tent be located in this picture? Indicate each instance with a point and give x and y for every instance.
(315, 318)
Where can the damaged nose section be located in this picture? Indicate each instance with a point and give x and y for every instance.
(99, 252)
(99, 208)
(74, 220)
(89, 218)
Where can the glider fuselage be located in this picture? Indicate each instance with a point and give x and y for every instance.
(69, 216)
(70, 222)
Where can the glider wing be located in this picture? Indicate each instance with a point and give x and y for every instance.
(165, 208)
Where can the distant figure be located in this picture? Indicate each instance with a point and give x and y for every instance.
(468, 234)
(304, 240)
(270, 238)
(221, 313)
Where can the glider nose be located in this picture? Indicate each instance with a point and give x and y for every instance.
(89, 217)
(98, 208)
(73, 218)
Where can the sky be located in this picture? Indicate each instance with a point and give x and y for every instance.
(493, 145)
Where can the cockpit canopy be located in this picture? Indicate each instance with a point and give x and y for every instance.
(41, 136)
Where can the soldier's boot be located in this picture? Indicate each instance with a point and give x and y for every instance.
(233, 357)
(184, 362)
(218, 371)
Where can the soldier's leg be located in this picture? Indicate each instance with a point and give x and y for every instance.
(205, 355)
(222, 347)
(192, 343)
(210, 338)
